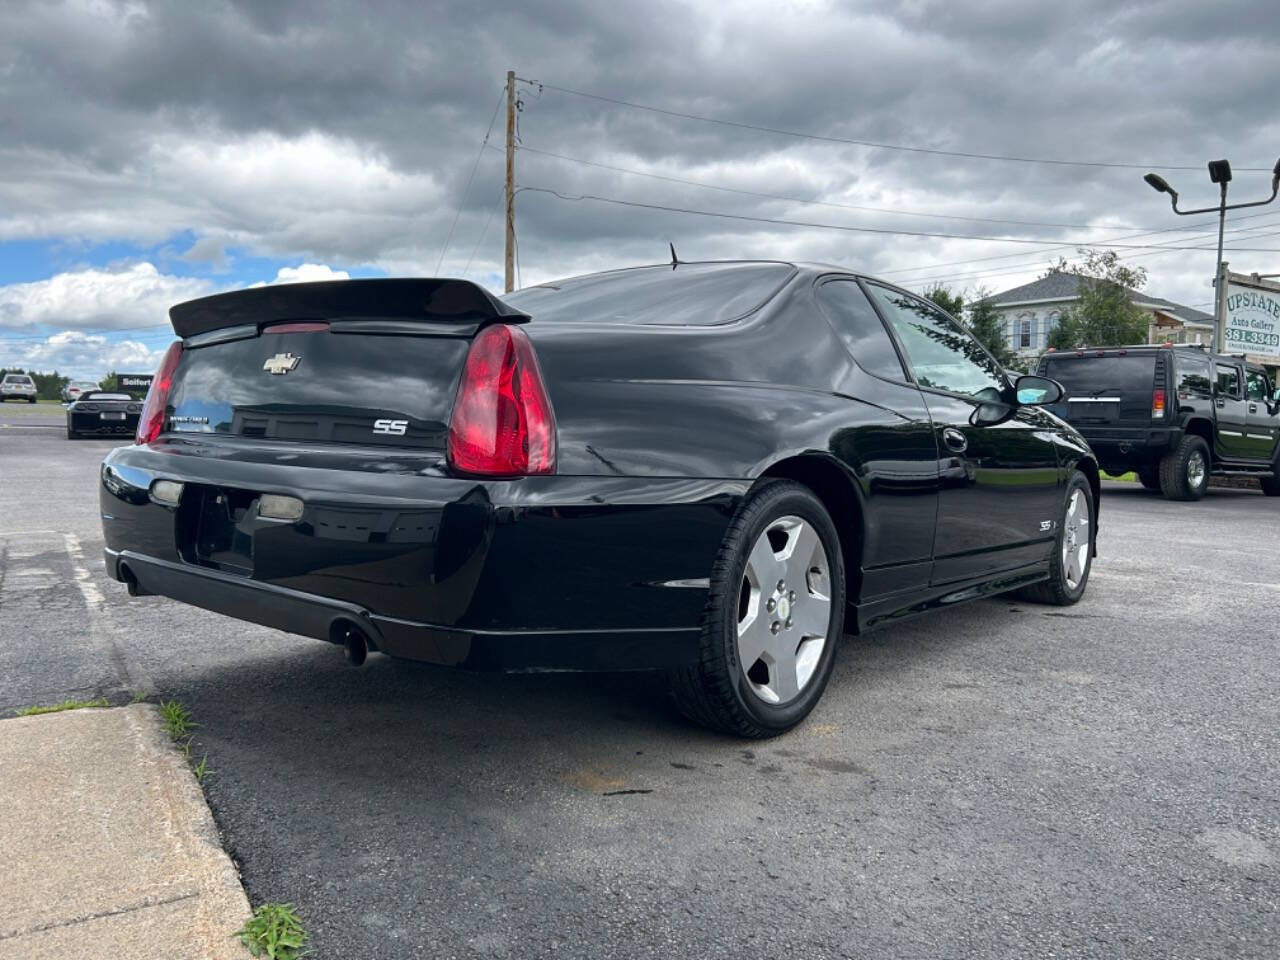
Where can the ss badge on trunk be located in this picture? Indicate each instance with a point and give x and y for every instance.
(391, 428)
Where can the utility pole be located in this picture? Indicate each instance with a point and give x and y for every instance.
(511, 183)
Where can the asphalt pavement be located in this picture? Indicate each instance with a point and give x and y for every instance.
(999, 780)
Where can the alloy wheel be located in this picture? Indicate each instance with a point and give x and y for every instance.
(1076, 538)
(784, 610)
(1195, 470)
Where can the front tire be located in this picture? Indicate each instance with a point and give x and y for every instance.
(1072, 556)
(1184, 472)
(775, 612)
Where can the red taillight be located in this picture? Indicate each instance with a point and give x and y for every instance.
(502, 424)
(151, 422)
(1157, 403)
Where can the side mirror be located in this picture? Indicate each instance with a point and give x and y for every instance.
(1035, 391)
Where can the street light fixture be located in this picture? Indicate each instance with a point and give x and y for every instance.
(1219, 173)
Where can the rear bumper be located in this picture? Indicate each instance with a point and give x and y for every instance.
(311, 615)
(1127, 448)
(546, 573)
(91, 424)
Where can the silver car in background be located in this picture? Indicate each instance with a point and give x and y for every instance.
(17, 386)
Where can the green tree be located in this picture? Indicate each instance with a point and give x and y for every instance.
(982, 318)
(987, 325)
(1105, 315)
(941, 294)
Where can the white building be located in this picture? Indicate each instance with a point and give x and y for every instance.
(1032, 310)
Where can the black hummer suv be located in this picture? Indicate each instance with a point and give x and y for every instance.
(1172, 414)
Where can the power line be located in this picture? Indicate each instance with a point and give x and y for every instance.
(1023, 268)
(467, 189)
(1065, 246)
(88, 332)
(871, 143)
(831, 203)
(480, 240)
(875, 230)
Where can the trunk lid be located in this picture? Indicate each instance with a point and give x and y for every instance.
(370, 362)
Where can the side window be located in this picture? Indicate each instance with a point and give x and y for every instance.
(943, 356)
(1228, 381)
(1256, 385)
(1193, 379)
(854, 319)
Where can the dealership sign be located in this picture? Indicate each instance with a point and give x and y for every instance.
(1251, 321)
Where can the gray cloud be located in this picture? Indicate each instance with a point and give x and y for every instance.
(358, 125)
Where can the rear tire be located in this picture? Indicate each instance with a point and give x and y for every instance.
(31, 399)
(1271, 485)
(1184, 472)
(1150, 479)
(781, 534)
(1072, 556)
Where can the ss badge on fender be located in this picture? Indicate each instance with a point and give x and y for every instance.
(391, 428)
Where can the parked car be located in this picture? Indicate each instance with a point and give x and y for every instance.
(17, 386)
(100, 413)
(1173, 414)
(713, 470)
(71, 392)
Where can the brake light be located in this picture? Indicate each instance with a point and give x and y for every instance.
(502, 423)
(1157, 403)
(151, 421)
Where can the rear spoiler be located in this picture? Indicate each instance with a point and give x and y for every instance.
(431, 301)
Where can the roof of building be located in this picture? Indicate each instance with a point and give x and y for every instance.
(1057, 285)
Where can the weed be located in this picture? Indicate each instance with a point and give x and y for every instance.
(177, 719)
(201, 769)
(138, 698)
(274, 931)
(64, 705)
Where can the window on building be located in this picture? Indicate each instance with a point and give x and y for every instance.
(1024, 332)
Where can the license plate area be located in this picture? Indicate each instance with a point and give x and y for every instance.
(218, 528)
(108, 415)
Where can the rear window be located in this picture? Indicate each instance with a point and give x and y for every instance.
(1092, 375)
(690, 295)
(17, 378)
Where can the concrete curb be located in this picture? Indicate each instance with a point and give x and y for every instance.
(112, 849)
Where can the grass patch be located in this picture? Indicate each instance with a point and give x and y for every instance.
(274, 931)
(1129, 477)
(177, 720)
(201, 769)
(64, 705)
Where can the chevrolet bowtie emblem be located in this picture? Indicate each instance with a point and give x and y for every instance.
(281, 363)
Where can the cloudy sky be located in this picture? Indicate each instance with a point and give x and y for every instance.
(155, 151)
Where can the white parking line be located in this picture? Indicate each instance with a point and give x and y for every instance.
(103, 634)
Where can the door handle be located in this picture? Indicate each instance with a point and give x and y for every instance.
(1220, 403)
(954, 439)
(1253, 408)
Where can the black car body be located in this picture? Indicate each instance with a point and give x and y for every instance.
(103, 413)
(303, 465)
(1172, 414)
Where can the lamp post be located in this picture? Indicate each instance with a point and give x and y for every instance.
(1219, 173)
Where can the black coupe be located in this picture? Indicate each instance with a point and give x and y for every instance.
(102, 413)
(712, 469)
